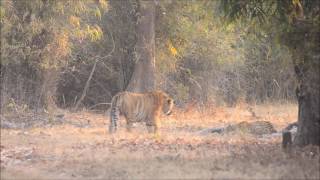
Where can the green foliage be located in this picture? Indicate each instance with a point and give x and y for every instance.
(199, 57)
(272, 15)
(36, 31)
(38, 39)
(214, 59)
(190, 28)
(95, 33)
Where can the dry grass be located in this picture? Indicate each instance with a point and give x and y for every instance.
(80, 148)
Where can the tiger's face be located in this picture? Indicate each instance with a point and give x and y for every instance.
(167, 105)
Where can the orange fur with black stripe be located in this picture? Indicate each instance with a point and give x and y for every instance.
(139, 107)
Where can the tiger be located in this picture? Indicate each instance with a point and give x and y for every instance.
(260, 128)
(255, 128)
(140, 107)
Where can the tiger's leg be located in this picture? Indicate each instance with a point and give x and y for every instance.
(129, 126)
(152, 127)
(155, 130)
(129, 121)
(114, 117)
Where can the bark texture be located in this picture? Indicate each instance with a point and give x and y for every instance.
(143, 77)
(309, 105)
(305, 47)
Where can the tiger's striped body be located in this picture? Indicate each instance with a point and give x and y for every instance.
(137, 107)
(256, 128)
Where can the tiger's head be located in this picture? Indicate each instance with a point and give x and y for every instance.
(167, 104)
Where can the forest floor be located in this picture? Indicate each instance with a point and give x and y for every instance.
(79, 147)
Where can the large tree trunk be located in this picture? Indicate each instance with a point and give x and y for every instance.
(309, 107)
(305, 49)
(143, 77)
(309, 101)
(124, 22)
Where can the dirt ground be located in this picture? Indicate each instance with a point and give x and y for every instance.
(79, 147)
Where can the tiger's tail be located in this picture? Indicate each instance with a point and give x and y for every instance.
(114, 113)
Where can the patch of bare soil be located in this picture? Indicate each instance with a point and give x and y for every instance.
(80, 148)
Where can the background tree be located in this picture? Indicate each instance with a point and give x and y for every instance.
(37, 38)
(198, 59)
(143, 77)
(298, 23)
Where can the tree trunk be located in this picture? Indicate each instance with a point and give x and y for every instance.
(124, 22)
(143, 77)
(305, 48)
(309, 104)
(49, 89)
(86, 87)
